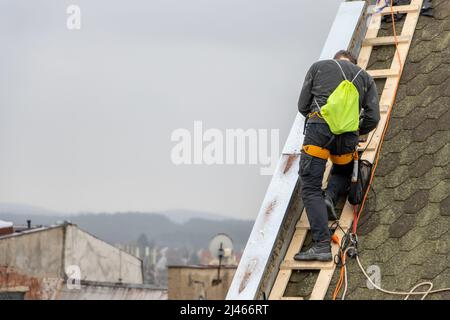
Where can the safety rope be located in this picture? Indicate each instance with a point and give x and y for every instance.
(343, 251)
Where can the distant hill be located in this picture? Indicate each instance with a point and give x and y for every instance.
(176, 215)
(172, 228)
(25, 210)
(182, 216)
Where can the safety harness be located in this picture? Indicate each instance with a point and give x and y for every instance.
(323, 152)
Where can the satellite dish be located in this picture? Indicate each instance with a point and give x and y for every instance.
(220, 244)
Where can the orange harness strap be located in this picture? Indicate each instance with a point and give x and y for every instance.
(322, 153)
(315, 114)
(316, 151)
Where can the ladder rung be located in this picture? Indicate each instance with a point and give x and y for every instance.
(291, 298)
(383, 41)
(305, 225)
(384, 108)
(383, 73)
(400, 9)
(306, 265)
(363, 148)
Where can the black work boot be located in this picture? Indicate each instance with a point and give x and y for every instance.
(320, 251)
(332, 216)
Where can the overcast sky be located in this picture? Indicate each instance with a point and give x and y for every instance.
(86, 116)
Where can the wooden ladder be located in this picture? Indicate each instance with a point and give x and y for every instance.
(371, 147)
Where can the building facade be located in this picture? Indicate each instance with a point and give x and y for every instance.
(49, 262)
(199, 282)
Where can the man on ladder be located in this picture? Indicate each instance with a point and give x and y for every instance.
(340, 102)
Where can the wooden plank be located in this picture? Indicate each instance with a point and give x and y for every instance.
(303, 218)
(322, 283)
(303, 221)
(409, 28)
(280, 285)
(383, 73)
(384, 41)
(305, 265)
(384, 108)
(372, 32)
(373, 145)
(296, 243)
(362, 145)
(401, 9)
(365, 148)
(283, 276)
(389, 92)
(305, 224)
(391, 85)
(291, 298)
(346, 219)
(369, 155)
(374, 137)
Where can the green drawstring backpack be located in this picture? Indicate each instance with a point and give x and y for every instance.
(341, 112)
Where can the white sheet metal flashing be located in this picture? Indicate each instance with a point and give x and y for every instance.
(259, 247)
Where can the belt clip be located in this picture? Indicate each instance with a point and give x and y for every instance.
(353, 250)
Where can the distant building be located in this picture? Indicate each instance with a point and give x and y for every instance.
(65, 262)
(91, 290)
(199, 282)
(5, 227)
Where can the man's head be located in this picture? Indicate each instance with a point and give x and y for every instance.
(345, 55)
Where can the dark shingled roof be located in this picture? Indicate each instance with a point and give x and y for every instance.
(405, 229)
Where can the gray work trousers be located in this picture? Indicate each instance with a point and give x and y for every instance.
(311, 173)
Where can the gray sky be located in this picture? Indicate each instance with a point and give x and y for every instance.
(86, 116)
